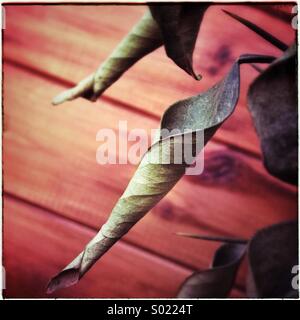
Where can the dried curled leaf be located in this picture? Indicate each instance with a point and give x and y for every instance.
(144, 38)
(273, 252)
(272, 100)
(155, 176)
(217, 281)
(179, 24)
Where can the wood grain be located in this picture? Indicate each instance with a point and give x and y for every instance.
(69, 42)
(49, 159)
(57, 196)
(37, 244)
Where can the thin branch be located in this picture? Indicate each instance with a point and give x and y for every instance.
(212, 238)
(264, 34)
(256, 58)
(256, 68)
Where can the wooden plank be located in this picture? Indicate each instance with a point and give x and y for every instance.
(69, 42)
(37, 244)
(49, 159)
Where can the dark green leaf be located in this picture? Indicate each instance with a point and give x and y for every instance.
(179, 24)
(273, 252)
(272, 100)
(217, 281)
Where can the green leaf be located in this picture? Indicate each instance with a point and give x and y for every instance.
(155, 177)
(144, 38)
(272, 100)
(217, 281)
(273, 252)
(179, 24)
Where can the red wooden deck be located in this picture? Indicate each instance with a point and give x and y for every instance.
(56, 195)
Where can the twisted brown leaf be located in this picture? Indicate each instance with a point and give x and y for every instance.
(217, 281)
(156, 175)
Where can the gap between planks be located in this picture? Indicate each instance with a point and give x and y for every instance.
(142, 251)
(57, 32)
(47, 205)
(178, 264)
(203, 225)
(152, 253)
(117, 103)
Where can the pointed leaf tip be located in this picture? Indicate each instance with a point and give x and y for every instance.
(64, 279)
(58, 99)
(66, 95)
(179, 25)
(144, 38)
